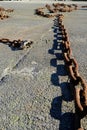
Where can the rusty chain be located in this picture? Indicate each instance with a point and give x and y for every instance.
(71, 63)
(17, 44)
(80, 93)
(54, 9)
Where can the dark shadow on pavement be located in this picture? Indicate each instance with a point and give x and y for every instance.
(66, 119)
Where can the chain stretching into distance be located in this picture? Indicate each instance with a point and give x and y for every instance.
(80, 93)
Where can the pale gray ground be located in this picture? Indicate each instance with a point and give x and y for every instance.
(34, 93)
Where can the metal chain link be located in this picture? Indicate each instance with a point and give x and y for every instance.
(19, 44)
(54, 9)
(80, 93)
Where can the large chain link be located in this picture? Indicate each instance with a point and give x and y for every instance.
(80, 93)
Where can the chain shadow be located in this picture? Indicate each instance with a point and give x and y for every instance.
(66, 119)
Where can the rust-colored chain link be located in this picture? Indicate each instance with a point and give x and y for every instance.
(80, 93)
(19, 44)
(54, 9)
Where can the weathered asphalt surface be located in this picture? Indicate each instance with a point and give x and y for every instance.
(34, 93)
